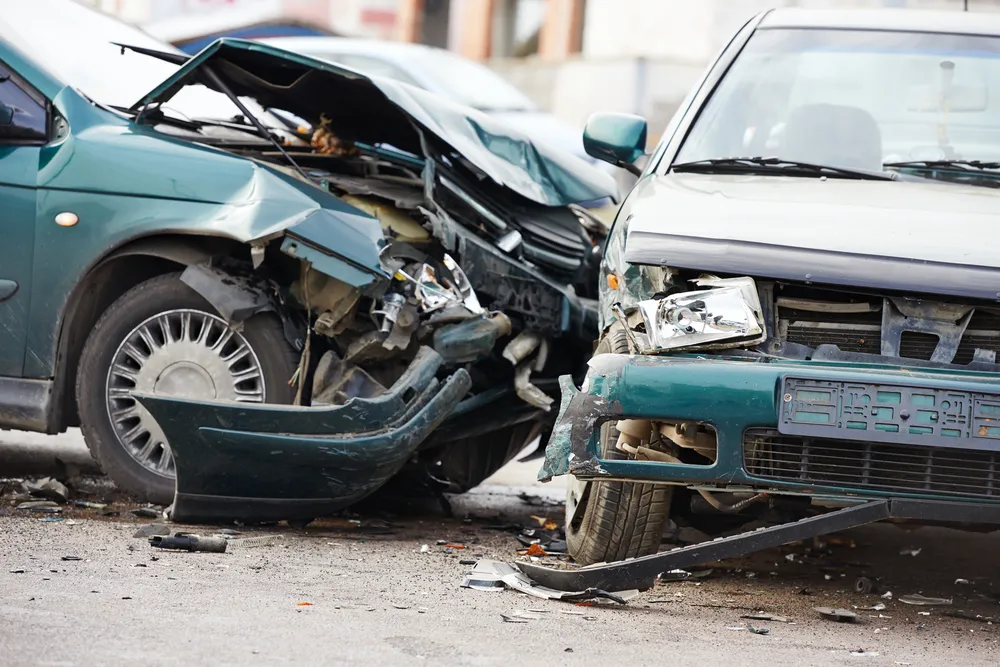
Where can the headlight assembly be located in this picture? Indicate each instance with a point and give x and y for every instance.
(727, 314)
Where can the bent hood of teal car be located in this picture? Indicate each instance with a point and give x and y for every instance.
(383, 112)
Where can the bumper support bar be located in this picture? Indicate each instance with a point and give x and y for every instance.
(642, 572)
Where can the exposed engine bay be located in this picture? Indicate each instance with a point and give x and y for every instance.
(499, 279)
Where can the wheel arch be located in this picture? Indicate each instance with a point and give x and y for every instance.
(108, 278)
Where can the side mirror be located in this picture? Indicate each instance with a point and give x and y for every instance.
(618, 138)
(6, 114)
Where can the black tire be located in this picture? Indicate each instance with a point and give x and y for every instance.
(619, 519)
(467, 463)
(263, 333)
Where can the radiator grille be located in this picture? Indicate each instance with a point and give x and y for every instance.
(874, 466)
(868, 340)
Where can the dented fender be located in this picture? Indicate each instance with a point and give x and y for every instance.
(270, 462)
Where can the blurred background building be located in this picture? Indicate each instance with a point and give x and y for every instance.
(572, 57)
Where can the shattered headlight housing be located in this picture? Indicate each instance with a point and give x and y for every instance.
(727, 314)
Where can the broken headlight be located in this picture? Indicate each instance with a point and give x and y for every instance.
(727, 314)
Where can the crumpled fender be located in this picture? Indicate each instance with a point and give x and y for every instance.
(570, 448)
(237, 461)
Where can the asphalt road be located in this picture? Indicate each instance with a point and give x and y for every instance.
(375, 598)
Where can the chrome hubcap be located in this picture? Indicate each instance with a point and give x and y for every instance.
(184, 353)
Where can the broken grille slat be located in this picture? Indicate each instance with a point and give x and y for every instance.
(865, 465)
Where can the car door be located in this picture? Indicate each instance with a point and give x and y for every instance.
(23, 130)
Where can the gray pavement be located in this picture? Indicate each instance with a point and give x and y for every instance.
(374, 598)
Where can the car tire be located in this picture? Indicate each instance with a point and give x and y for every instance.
(179, 365)
(468, 462)
(611, 521)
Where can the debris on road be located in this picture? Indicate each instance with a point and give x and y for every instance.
(920, 600)
(39, 506)
(493, 575)
(766, 617)
(252, 542)
(838, 615)
(861, 653)
(149, 512)
(187, 542)
(49, 488)
(910, 551)
(70, 558)
(512, 619)
(88, 504)
(152, 529)
(875, 607)
(961, 581)
(757, 631)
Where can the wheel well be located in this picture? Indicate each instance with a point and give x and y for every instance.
(112, 276)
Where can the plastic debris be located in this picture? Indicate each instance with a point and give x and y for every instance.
(864, 585)
(491, 575)
(838, 615)
(50, 519)
(923, 601)
(87, 504)
(861, 653)
(70, 558)
(17, 571)
(47, 487)
(251, 542)
(766, 617)
(425, 548)
(152, 529)
(150, 512)
(910, 551)
(39, 506)
(875, 607)
(303, 604)
(512, 619)
(961, 581)
(887, 595)
(757, 631)
(533, 550)
(186, 542)
(545, 523)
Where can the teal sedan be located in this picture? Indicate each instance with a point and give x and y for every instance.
(335, 265)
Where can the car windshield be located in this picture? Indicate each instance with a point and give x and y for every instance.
(470, 83)
(855, 99)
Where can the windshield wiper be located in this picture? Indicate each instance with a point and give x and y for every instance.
(782, 166)
(964, 165)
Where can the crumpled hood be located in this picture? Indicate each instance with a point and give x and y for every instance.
(925, 220)
(382, 111)
(922, 235)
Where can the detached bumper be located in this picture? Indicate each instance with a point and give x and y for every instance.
(237, 461)
(760, 443)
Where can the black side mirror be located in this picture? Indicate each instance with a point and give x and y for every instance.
(6, 114)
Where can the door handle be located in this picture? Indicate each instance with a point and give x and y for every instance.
(7, 289)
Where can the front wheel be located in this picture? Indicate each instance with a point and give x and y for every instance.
(609, 521)
(163, 337)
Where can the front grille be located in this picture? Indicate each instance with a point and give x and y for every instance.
(874, 466)
(863, 338)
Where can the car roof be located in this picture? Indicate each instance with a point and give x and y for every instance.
(903, 20)
(394, 51)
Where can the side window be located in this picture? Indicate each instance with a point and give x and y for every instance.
(23, 114)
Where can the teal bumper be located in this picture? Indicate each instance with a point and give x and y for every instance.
(735, 396)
